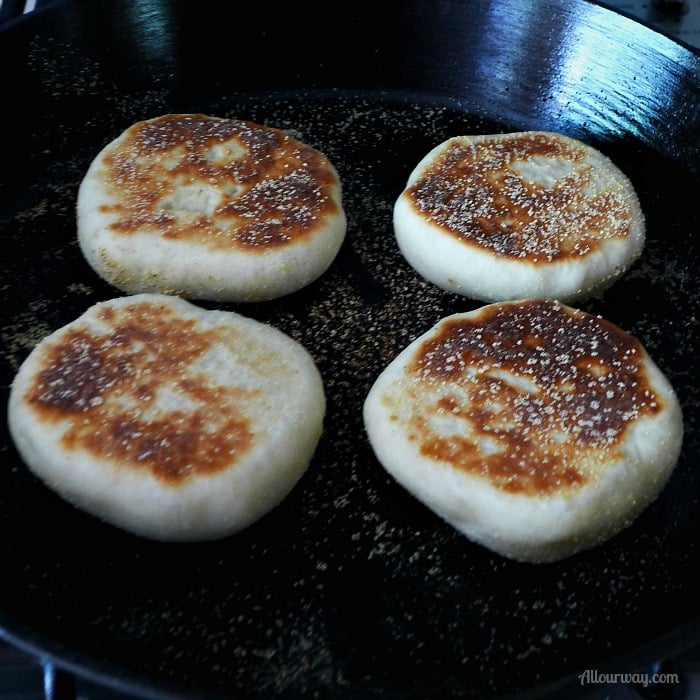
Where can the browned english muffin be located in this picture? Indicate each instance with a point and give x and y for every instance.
(533, 428)
(210, 208)
(519, 215)
(167, 420)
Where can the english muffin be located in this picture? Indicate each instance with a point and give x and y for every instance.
(210, 208)
(535, 429)
(168, 420)
(525, 214)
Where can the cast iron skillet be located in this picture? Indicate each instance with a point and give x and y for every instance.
(350, 588)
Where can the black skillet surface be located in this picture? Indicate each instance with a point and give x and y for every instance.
(350, 588)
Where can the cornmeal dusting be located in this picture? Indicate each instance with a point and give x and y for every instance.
(532, 394)
(130, 394)
(221, 182)
(533, 196)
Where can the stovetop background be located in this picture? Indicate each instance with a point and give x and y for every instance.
(22, 676)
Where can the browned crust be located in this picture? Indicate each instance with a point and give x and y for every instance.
(103, 389)
(272, 189)
(473, 193)
(553, 388)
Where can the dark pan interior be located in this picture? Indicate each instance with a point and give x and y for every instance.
(350, 588)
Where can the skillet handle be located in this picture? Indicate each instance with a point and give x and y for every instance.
(58, 684)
